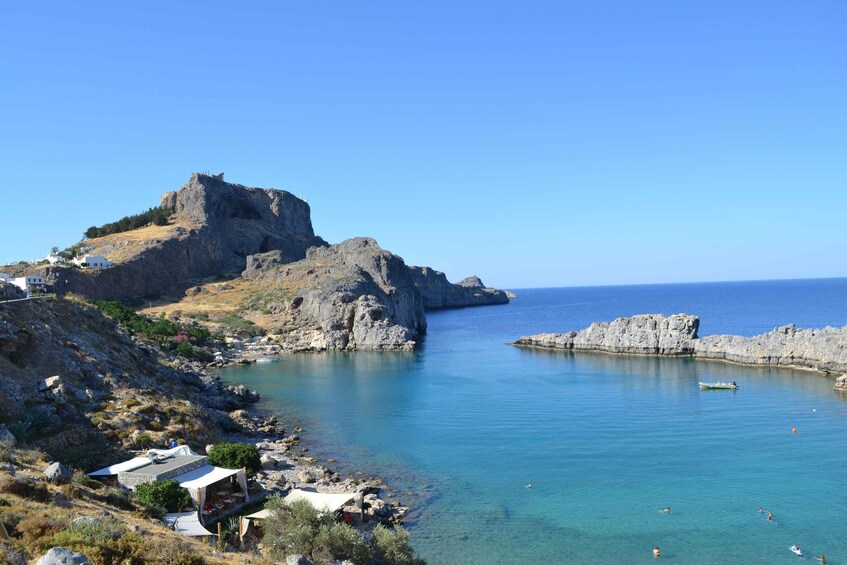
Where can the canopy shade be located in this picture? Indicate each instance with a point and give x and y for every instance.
(204, 476)
(327, 502)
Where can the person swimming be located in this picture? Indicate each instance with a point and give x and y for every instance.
(822, 559)
(656, 552)
(761, 510)
(666, 510)
(770, 516)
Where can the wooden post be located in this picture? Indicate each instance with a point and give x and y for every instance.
(220, 540)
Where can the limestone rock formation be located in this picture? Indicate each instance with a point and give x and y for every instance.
(822, 349)
(439, 293)
(216, 225)
(353, 296)
(646, 334)
(841, 383)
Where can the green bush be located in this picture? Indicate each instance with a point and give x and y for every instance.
(339, 541)
(163, 494)
(235, 456)
(393, 547)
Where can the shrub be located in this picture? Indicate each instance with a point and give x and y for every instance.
(392, 547)
(117, 497)
(165, 494)
(26, 489)
(174, 553)
(12, 554)
(235, 456)
(340, 541)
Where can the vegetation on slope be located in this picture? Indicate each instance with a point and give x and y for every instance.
(157, 216)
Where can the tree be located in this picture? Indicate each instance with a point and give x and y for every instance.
(165, 494)
(235, 456)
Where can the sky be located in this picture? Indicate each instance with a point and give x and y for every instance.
(533, 144)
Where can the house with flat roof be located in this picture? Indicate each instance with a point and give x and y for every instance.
(29, 284)
(92, 262)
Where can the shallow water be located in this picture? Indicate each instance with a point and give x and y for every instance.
(468, 421)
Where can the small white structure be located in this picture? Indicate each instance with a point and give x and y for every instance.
(92, 262)
(28, 284)
(54, 258)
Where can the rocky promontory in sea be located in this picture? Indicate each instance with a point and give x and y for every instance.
(656, 334)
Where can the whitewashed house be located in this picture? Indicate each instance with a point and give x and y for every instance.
(29, 284)
(92, 262)
(54, 258)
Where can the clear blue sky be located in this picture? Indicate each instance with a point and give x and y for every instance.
(532, 144)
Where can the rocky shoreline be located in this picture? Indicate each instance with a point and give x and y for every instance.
(823, 350)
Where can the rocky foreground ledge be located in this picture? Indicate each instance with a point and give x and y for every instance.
(673, 336)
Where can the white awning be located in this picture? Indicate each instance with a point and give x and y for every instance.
(325, 501)
(138, 462)
(260, 515)
(204, 476)
(187, 523)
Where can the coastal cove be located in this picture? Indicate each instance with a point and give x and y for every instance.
(467, 422)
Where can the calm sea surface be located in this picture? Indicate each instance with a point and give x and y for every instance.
(468, 421)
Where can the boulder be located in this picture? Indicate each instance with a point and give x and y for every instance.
(62, 556)
(6, 436)
(268, 462)
(49, 383)
(8, 468)
(841, 383)
(297, 560)
(57, 473)
(306, 476)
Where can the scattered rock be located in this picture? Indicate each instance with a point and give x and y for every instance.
(297, 560)
(49, 383)
(841, 383)
(6, 436)
(62, 556)
(57, 473)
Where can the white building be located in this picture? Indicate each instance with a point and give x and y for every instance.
(29, 284)
(5, 278)
(92, 262)
(54, 258)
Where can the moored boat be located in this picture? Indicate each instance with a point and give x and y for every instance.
(719, 385)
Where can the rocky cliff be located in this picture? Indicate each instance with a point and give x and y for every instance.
(75, 386)
(353, 296)
(439, 293)
(655, 334)
(215, 226)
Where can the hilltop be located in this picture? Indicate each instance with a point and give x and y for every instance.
(241, 258)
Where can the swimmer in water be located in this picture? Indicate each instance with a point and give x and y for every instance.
(656, 552)
(770, 516)
(822, 559)
(666, 510)
(528, 485)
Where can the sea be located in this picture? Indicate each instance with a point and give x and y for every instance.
(511, 455)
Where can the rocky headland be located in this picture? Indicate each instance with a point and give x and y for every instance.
(656, 334)
(247, 258)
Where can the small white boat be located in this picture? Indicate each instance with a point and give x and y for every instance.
(719, 385)
(796, 551)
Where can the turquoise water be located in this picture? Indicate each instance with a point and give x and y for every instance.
(606, 441)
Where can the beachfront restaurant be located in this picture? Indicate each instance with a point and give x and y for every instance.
(322, 501)
(215, 491)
